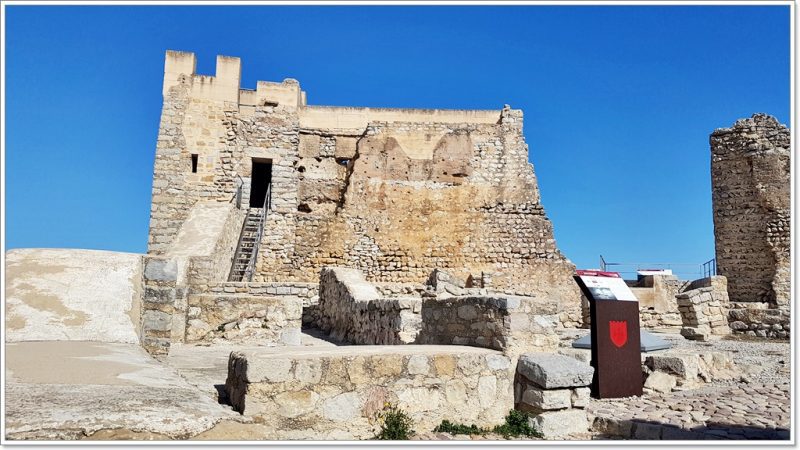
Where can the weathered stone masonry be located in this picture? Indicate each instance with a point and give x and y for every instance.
(750, 189)
(394, 193)
(750, 176)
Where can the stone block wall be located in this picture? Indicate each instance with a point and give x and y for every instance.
(704, 313)
(660, 309)
(555, 390)
(750, 179)
(502, 323)
(760, 320)
(351, 310)
(337, 396)
(268, 319)
(268, 312)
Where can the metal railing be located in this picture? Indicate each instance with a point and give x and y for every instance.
(251, 266)
(683, 270)
(710, 268)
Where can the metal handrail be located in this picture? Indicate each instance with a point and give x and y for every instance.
(251, 266)
(693, 269)
(710, 268)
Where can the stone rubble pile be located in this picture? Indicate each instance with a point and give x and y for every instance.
(680, 370)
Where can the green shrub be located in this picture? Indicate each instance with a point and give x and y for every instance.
(516, 425)
(456, 428)
(395, 424)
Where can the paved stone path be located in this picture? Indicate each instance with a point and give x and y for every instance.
(755, 411)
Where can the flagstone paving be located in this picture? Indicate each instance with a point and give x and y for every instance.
(757, 411)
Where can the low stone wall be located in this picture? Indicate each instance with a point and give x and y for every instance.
(573, 317)
(352, 310)
(337, 394)
(230, 316)
(703, 313)
(650, 318)
(476, 321)
(500, 323)
(759, 320)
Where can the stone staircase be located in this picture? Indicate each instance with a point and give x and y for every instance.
(247, 248)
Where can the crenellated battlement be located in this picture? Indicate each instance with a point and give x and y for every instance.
(225, 84)
(180, 68)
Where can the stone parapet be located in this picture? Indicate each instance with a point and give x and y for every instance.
(476, 321)
(338, 393)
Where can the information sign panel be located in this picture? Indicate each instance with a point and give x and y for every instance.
(614, 312)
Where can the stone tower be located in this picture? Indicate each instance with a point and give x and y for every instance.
(750, 180)
(255, 185)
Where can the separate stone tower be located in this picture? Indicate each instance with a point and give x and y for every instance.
(750, 165)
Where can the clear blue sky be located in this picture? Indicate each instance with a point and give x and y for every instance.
(618, 101)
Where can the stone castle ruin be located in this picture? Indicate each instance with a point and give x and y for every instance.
(255, 192)
(281, 233)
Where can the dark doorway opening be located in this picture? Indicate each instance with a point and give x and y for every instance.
(260, 182)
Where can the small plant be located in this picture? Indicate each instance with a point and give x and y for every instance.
(395, 424)
(456, 428)
(516, 425)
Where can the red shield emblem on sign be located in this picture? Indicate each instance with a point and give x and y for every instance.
(618, 329)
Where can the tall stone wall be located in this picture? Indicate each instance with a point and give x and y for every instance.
(394, 193)
(750, 165)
